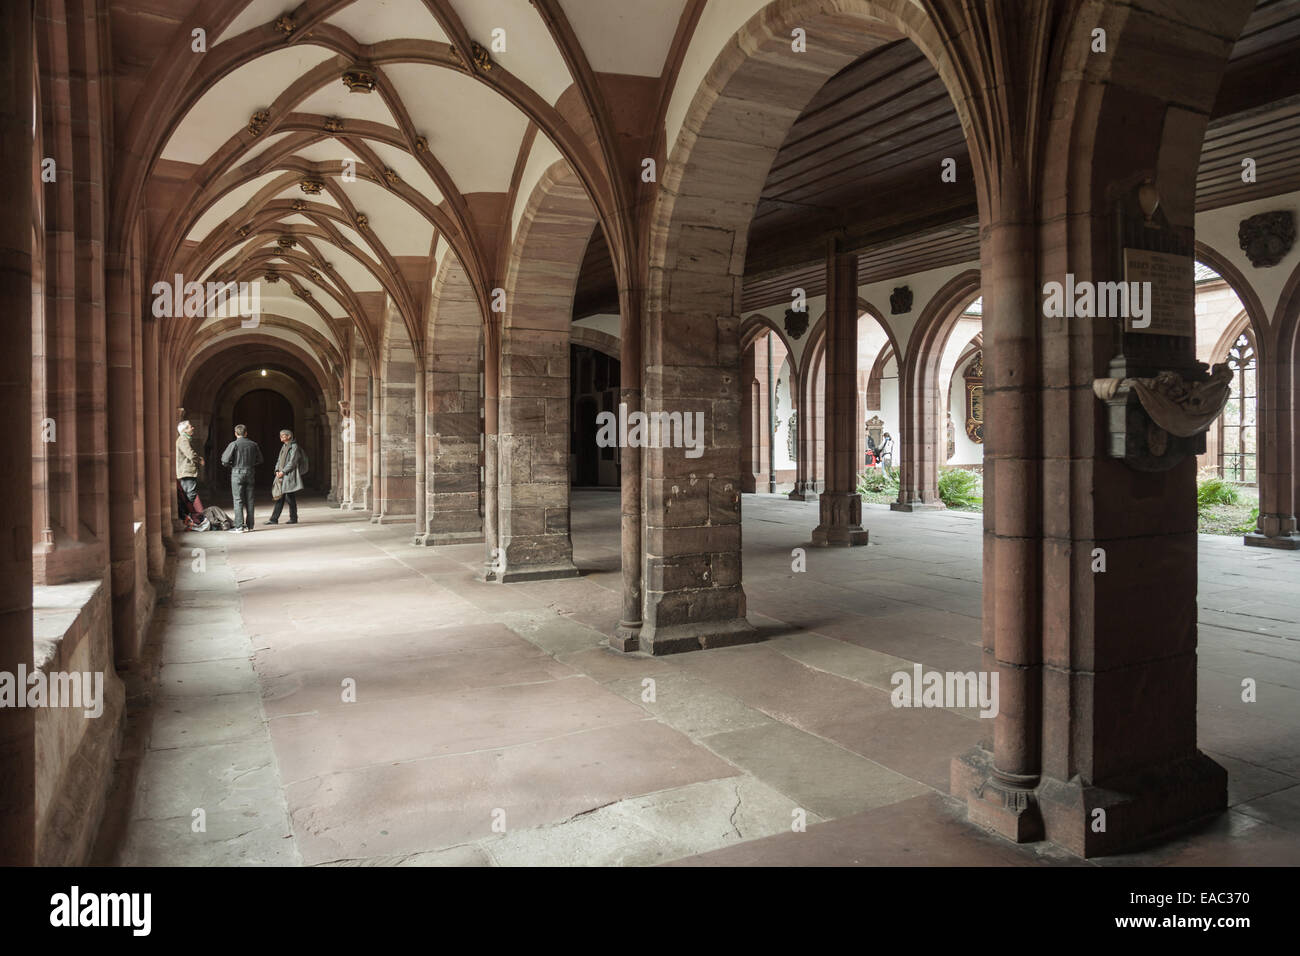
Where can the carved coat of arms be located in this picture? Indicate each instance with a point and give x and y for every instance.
(1267, 237)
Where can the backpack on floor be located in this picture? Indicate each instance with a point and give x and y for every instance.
(218, 520)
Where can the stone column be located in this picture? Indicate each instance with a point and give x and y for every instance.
(919, 401)
(452, 421)
(168, 401)
(1000, 784)
(17, 725)
(533, 446)
(347, 434)
(421, 502)
(693, 593)
(122, 416)
(377, 429)
(1277, 440)
(627, 636)
(752, 398)
(153, 429)
(399, 426)
(841, 506)
(492, 560)
(330, 443)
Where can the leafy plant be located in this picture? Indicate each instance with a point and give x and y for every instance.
(878, 481)
(1216, 491)
(1246, 527)
(959, 488)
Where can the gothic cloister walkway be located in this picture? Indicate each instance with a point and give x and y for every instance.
(479, 704)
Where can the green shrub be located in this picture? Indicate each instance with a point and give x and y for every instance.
(1246, 527)
(1216, 491)
(878, 481)
(959, 488)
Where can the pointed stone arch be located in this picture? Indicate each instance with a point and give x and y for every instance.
(921, 392)
(738, 119)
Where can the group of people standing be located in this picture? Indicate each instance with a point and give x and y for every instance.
(242, 456)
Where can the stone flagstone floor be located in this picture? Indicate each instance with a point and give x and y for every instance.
(491, 727)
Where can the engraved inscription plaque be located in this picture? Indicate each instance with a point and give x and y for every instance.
(1171, 307)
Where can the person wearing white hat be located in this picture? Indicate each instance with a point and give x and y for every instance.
(187, 462)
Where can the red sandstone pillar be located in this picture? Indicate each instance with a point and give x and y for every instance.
(627, 637)
(492, 565)
(841, 506)
(1000, 787)
(421, 513)
(377, 429)
(152, 434)
(1276, 527)
(17, 727)
(121, 462)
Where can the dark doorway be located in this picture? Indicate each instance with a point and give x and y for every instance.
(265, 412)
(593, 387)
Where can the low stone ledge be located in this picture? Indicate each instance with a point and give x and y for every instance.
(75, 753)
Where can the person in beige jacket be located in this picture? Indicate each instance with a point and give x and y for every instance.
(187, 462)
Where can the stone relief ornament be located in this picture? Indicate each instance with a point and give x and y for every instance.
(1267, 237)
(792, 437)
(257, 122)
(359, 81)
(796, 323)
(1176, 405)
(900, 303)
(477, 53)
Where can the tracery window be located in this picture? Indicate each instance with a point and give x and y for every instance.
(1238, 437)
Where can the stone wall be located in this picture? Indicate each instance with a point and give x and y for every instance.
(75, 754)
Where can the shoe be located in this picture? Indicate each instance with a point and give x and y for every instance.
(234, 530)
(205, 526)
(293, 521)
(276, 521)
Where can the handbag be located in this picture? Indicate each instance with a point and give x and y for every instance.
(277, 489)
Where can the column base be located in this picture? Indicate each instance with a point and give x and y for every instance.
(695, 637)
(1126, 814)
(806, 491)
(1283, 542)
(432, 539)
(909, 507)
(393, 519)
(992, 804)
(841, 521)
(551, 573)
(838, 537)
(627, 637)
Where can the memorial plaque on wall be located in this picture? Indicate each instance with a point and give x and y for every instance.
(1171, 309)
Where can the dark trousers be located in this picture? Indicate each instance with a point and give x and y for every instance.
(291, 497)
(190, 486)
(241, 489)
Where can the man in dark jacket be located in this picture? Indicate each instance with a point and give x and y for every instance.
(289, 468)
(242, 456)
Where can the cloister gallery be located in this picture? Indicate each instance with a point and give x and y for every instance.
(630, 350)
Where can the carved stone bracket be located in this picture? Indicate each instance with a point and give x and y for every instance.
(1156, 422)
